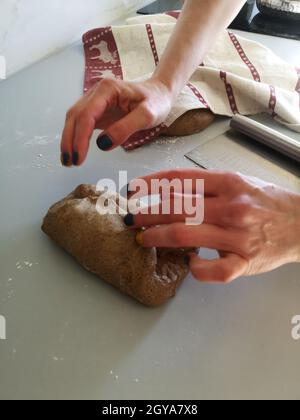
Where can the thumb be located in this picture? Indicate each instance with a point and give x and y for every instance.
(139, 119)
(223, 270)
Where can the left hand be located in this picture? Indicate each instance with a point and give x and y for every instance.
(120, 109)
(255, 226)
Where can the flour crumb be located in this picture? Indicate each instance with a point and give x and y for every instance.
(58, 359)
(25, 264)
(10, 294)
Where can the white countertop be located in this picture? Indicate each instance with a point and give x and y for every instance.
(69, 335)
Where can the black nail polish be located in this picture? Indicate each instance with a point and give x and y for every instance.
(129, 220)
(187, 259)
(128, 190)
(65, 158)
(75, 158)
(104, 143)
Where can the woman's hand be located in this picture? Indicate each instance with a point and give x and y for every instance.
(255, 226)
(120, 109)
(123, 108)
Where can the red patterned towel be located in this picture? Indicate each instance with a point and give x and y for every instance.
(237, 76)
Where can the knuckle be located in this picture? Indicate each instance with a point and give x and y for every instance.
(241, 213)
(83, 116)
(232, 180)
(106, 83)
(251, 246)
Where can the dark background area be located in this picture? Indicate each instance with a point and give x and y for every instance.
(249, 19)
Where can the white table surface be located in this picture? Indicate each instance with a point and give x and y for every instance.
(69, 335)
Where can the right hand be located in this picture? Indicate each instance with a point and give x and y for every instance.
(117, 107)
(254, 225)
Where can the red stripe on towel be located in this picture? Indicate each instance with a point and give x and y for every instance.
(143, 137)
(244, 57)
(174, 13)
(102, 57)
(272, 101)
(229, 92)
(152, 43)
(198, 95)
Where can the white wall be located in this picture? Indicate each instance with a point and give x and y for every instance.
(33, 29)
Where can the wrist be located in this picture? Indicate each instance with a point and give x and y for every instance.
(169, 87)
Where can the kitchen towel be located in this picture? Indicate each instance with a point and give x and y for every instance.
(236, 76)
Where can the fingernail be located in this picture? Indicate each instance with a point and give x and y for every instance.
(187, 259)
(75, 158)
(104, 142)
(65, 157)
(139, 238)
(128, 189)
(129, 220)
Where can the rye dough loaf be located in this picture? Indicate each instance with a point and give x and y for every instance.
(191, 122)
(104, 246)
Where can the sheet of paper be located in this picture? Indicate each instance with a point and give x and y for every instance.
(233, 152)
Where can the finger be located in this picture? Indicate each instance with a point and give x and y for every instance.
(85, 125)
(67, 140)
(115, 135)
(222, 270)
(181, 208)
(215, 183)
(82, 118)
(179, 235)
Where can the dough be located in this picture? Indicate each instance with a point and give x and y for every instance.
(104, 246)
(191, 122)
